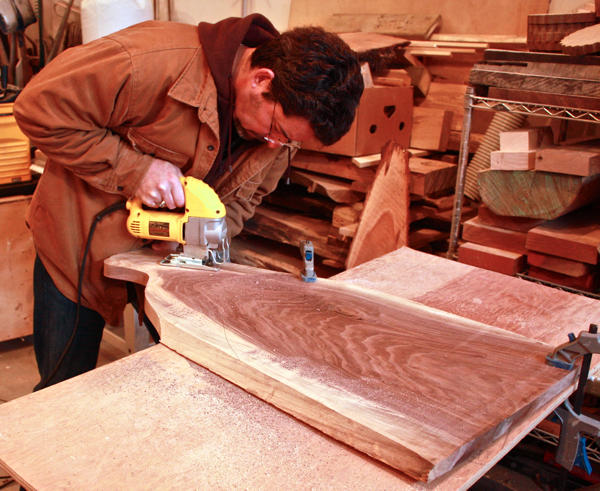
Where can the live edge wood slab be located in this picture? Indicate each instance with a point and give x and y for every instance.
(412, 386)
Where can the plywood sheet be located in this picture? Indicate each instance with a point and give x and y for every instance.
(336, 356)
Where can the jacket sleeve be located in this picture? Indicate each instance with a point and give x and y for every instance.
(67, 111)
(239, 210)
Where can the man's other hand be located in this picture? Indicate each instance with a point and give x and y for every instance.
(162, 184)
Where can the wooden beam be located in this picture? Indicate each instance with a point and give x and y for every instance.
(431, 128)
(385, 220)
(491, 258)
(508, 240)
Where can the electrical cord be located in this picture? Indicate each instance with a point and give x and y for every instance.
(97, 218)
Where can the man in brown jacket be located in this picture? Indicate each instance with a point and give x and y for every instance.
(128, 114)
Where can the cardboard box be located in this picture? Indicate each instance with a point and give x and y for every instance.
(384, 114)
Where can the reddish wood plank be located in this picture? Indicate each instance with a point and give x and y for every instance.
(586, 283)
(491, 258)
(558, 264)
(508, 240)
(574, 236)
(519, 224)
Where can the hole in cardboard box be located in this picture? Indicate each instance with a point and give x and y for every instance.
(401, 125)
(373, 128)
(389, 110)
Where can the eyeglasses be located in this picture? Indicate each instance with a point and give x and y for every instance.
(288, 144)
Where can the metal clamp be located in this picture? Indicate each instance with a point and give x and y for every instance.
(564, 356)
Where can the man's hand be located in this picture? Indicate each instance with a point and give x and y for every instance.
(161, 183)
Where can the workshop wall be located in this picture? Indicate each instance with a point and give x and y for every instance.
(490, 17)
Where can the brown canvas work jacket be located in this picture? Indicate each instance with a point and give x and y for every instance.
(101, 115)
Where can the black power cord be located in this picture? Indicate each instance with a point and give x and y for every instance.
(97, 218)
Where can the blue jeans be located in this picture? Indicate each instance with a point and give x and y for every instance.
(54, 317)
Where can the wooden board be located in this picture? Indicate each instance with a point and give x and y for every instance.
(508, 240)
(558, 264)
(574, 236)
(582, 42)
(335, 356)
(525, 139)
(385, 220)
(520, 224)
(431, 128)
(586, 283)
(491, 258)
(338, 190)
(535, 194)
(569, 159)
(404, 25)
(535, 311)
(560, 100)
(491, 75)
(16, 271)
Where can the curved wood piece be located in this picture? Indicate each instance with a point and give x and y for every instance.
(536, 194)
(582, 42)
(414, 387)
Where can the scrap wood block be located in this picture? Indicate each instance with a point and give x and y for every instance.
(573, 160)
(525, 139)
(430, 176)
(321, 352)
(491, 258)
(587, 283)
(508, 240)
(573, 236)
(519, 224)
(500, 160)
(558, 264)
(431, 128)
(347, 214)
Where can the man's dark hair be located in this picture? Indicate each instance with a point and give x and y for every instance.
(317, 77)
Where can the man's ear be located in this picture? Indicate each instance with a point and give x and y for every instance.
(261, 77)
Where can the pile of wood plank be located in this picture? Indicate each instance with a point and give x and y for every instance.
(332, 186)
(535, 217)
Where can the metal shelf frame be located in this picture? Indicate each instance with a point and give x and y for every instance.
(472, 102)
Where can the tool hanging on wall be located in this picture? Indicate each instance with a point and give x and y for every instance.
(15, 16)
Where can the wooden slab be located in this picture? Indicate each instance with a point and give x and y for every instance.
(535, 194)
(385, 219)
(560, 100)
(338, 190)
(332, 165)
(586, 283)
(535, 311)
(413, 26)
(334, 356)
(574, 236)
(508, 240)
(491, 258)
(525, 139)
(520, 224)
(558, 264)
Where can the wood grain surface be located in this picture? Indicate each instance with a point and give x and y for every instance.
(385, 219)
(414, 387)
(536, 194)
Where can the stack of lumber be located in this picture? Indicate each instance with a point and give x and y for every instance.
(534, 218)
(351, 209)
